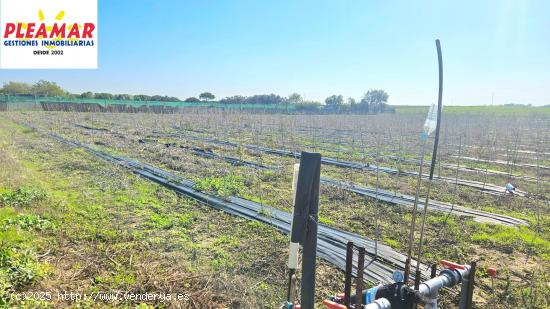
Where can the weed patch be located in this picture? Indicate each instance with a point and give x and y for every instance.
(18, 265)
(29, 222)
(160, 221)
(509, 238)
(21, 197)
(223, 186)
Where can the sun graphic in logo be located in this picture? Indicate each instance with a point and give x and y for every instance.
(59, 17)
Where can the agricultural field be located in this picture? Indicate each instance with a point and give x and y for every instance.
(77, 216)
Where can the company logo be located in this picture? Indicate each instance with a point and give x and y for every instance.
(48, 34)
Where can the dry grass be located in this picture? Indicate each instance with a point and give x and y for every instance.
(247, 272)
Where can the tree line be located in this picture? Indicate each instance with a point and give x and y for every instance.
(45, 88)
(373, 101)
(137, 97)
(40, 88)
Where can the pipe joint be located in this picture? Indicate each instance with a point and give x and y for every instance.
(453, 275)
(380, 303)
(447, 278)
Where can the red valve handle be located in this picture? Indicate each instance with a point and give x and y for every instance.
(492, 272)
(332, 305)
(452, 265)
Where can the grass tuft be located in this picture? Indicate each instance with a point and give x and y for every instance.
(223, 186)
(21, 197)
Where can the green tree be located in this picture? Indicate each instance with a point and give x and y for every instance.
(375, 100)
(87, 95)
(295, 98)
(17, 88)
(237, 99)
(334, 100)
(142, 97)
(207, 96)
(192, 99)
(351, 102)
(46, 88)
(103, 96)
(123, 96)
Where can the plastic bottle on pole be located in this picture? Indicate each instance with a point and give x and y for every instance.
(431, 122)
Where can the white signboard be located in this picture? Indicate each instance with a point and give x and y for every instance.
(48, 34)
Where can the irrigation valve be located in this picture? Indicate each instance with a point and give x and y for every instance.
(398, 295)
(452, 265)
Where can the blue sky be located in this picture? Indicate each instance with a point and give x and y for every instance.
(491, 49)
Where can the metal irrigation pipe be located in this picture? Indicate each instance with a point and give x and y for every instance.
(434, 159)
